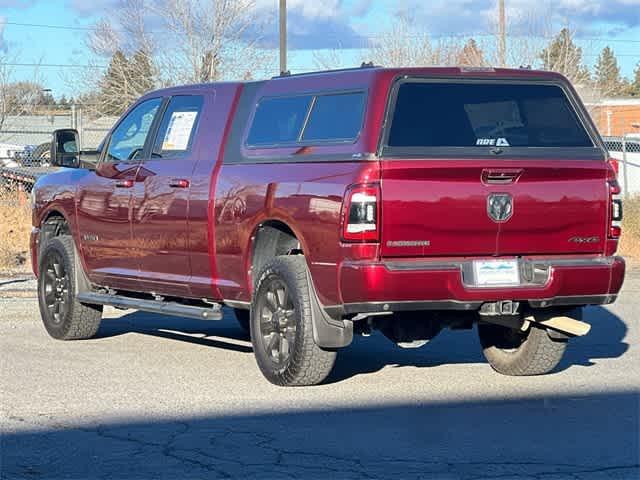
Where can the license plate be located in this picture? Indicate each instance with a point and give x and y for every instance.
(496, 272)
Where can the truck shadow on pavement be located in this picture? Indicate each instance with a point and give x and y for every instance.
(369, 355)
(586, 437)
(372, 354)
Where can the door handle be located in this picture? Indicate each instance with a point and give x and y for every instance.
(124, 183)
(179, 183)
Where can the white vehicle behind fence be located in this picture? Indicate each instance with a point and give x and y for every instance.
(627, 151)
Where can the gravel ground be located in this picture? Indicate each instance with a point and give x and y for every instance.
(161, 397)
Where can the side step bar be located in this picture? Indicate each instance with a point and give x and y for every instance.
(154, 306)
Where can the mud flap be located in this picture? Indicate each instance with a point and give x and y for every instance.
(327, 331)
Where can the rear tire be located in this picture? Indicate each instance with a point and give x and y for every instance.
(282, 328)
(64, 317)
(513, 352)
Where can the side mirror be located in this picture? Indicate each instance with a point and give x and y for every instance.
(65, 148)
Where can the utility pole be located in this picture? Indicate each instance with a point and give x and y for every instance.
(283, 36)
(502, 35)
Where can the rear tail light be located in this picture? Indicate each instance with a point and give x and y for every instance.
(361, 214)
(615, 212)
(615, 165)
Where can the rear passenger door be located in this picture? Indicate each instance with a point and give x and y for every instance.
(161, 205)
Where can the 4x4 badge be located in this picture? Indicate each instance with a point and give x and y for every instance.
(499, 207)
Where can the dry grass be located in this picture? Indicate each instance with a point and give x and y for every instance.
(15, 226)
(630, 241)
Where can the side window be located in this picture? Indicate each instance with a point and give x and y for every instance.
(278, 120)
(177, 129)
(127, 140)
(335, 117)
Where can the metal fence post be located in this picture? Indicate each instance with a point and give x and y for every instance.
(625, 175)
(74, 119)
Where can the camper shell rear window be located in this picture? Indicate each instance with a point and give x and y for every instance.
(480, 117)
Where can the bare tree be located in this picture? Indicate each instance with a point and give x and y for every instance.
(403, 45)
(471, 55)
(16, 98)
(212, 40)
(190, 41)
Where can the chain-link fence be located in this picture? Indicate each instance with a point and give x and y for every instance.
(25, 142)
(626, 150)
(24, 139)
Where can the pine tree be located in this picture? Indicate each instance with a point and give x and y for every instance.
(142, 72)
(125, 80)
(562, 55)
(471, 55)
(607, 74)
(114, 86)
(634, 86)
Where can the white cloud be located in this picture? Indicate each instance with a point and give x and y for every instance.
(471, 16)
(306, 8)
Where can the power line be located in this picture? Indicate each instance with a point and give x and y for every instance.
(55, 65)
(361, 35)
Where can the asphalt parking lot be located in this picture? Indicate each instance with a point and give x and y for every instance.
(161, 397)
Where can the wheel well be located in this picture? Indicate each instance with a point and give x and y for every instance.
(54, 225)
(272, 238)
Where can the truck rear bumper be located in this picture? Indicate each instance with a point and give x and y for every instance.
(438, 285)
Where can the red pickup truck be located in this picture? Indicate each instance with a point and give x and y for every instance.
(405, 200)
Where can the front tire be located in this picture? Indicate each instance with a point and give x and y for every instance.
(282, 327)
(64, 317)
(513, 352)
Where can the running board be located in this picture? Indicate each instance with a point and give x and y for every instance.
(154, 306)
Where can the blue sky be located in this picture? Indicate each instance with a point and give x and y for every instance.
(316, 26)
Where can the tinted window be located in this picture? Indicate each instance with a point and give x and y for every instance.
(480, 115)
(178, 126)
(278, 120)
(127, 140)
(335, 117)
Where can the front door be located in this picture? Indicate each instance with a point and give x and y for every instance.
(104, 201)
(161, 204)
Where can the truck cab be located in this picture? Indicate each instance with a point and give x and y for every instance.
(321, 205)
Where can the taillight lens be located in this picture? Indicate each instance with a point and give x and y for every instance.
(615, 206)
(615, 165)
(361, 214)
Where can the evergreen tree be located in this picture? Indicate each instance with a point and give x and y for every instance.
(634, 86)
(471, 55)
(115, 86)
(607, 74)
(562, 55)
(125, 80)
(142, 71)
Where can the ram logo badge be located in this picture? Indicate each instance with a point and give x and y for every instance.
(499, 207)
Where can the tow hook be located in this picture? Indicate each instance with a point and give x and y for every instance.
(503, 307)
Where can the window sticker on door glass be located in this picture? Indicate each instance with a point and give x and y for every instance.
(179, 131)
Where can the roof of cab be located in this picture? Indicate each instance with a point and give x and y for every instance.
(367, 72)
